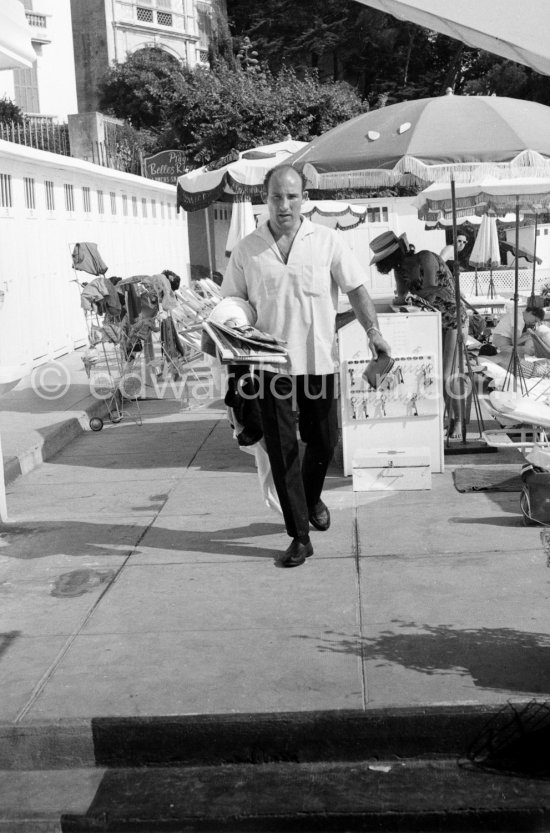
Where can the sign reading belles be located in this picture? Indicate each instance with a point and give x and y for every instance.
(165, 166)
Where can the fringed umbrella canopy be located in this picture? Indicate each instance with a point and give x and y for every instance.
(239, 173)
(430, 140)
(530, 194)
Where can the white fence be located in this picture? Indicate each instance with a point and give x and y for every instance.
(472, 283)
(47, 204)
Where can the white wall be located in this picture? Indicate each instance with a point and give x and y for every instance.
(406, 217)
(527, 239)
(54, 62)
(6, 84)
(220, 216)
(543, 244)
(40, 316)
(56, 74)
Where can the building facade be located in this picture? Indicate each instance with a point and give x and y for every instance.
(48, 88)
(106, 31)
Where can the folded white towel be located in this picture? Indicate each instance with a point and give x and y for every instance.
(233, 309)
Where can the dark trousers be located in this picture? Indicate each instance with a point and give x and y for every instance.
(299, 485)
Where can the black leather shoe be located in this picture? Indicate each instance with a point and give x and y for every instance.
(297, 553)
(319, 516)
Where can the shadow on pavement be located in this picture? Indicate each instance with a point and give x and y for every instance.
(78, 538)
(495, 658)
(6, 640)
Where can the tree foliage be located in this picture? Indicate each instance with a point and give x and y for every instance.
(346, 41)
(282, 67)
(490, 76)
(226, 109)
(207, 112)
(387, 60)
(142, 88)
(10, 112)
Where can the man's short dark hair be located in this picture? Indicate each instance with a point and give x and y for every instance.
(283, 167)
(538, 312)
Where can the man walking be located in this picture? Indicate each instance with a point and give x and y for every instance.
(290, 271)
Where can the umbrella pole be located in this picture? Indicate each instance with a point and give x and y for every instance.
(534, 257)
(465, 369)
(459, 333)
(514, 367)
(515, 362)
(208, 239)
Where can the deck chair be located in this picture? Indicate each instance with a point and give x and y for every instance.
(542, 346)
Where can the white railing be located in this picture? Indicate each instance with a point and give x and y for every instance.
(478, 283)
(35, 19)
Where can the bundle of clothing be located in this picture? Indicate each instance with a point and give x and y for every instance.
(243, 410)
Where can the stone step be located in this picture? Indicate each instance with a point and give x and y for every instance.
(447, 768)
(382, 795)
(477, 732)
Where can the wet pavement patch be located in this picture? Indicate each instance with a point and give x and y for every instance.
(78, 582)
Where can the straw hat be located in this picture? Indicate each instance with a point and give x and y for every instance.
(386, 244)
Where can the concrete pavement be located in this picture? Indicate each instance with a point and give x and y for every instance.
(139, 579)
(44, 412)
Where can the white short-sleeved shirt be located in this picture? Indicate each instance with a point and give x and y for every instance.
(505, 326)
(295, 301)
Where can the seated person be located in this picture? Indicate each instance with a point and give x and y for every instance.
(503, 334)
(447, 253)
(533, 341)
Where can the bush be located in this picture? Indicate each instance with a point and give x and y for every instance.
(10, 112)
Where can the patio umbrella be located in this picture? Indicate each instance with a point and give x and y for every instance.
(506, 28)
(239, 173)
(531, 195)
(486, 249)
(430, 140)
(529, 256)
